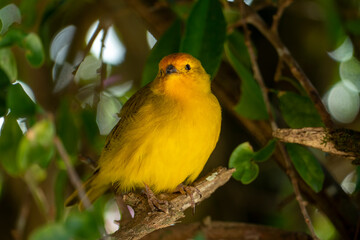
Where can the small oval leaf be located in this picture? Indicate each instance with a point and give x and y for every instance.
(34, 50)
(306, 165)
(9, 15)
(19, 102)
(298, 111)
(241, 159)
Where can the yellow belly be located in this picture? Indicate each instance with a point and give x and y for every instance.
(167, 150)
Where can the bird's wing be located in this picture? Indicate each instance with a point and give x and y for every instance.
(127, 114)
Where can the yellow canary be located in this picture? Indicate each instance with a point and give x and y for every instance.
(166, 133)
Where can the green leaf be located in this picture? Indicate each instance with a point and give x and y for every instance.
(266, 152)
(54, 231)
(107, 113)
(9, 15)
(34, 50)
(9, 140)
(251, 104)
(36, 146)
(298, 111)
(167, 44)
(350, 71)
(205, 34)
(19, 102)
(236, 45)
(241, 159)
(8, 64)
(13, 36)
(306, 165)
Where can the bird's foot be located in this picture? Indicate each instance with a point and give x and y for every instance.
(188, 190)
(154, 202)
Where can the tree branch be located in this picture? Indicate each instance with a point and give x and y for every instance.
(258, 77)
(224, 230)
(146, 221)
(319, 138)
(253, 18)
(74, 178)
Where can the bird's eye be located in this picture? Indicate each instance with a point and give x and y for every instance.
(187, 67)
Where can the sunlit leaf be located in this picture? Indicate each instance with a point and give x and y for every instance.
(298, 111)
(19, 102)
(266, 152)
(251, 104)
(60, 44)
(306, 165)
(88, 69)
(8, 63)
(343, 103)
(9, 15)
(107, 113)
(62, 75)
(34, 50)
(241, 159)
(350, 71)
(167, 44)
(343, 52)
(9, 140)
(205, 34)
(36, 146)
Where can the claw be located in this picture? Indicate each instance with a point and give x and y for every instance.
(188, 190)
(154, 202)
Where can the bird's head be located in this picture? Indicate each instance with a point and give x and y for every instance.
(180, 73)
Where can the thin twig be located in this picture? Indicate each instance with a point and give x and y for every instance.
(254, 19)
(89, 45)
(74, 178)
(289, 168)
(18, 233)
(103, 65)
(283, 4)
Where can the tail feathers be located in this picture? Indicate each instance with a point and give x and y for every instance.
(93, 191)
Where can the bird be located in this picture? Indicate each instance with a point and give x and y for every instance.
(166, 133)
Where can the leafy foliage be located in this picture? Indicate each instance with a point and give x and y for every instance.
(307, 166)
(76, 100)
(245, 160)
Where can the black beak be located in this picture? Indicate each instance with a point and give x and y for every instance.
(170, 69)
